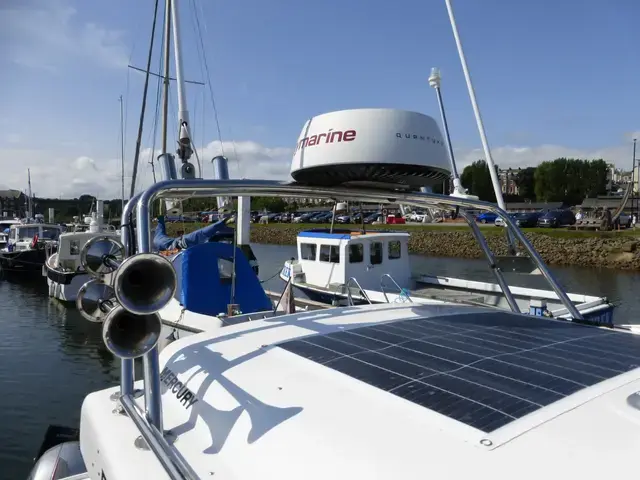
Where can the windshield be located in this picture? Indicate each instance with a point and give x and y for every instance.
(27, 233)
(50, 233)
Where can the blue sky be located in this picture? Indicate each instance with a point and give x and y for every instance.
(552, 79)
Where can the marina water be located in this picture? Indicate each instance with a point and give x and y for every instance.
(50, 357)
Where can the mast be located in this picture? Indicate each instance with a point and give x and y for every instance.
(184, 143)
(122, 149)
(29, 199)
(476, 110)
(165, 85)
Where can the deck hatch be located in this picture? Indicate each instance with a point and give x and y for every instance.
(485, 370)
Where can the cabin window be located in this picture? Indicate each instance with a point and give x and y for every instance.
(308, 251)
(375, 256)
(50, 233)
(225, 270)
(27, 233)
(394, 250)
(74, 247)
(330, 253)
(356, 253)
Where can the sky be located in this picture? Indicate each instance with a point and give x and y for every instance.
(552, 78)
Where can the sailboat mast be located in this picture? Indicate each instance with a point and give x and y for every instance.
(184, 132)
(122, 149)
(165, 86)
(30, 204)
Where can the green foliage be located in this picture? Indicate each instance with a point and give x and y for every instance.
(570, 180)
(525, 180)
(271, 204)
(477, 180)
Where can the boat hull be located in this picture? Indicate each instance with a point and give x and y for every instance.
(600, 315)
(64, 286)
(24, 263)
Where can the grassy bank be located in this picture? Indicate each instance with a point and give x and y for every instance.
(487, 230)
(556, 246)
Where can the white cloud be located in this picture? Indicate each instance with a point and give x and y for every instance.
(514, 157)
(47, 34)
(72, 173)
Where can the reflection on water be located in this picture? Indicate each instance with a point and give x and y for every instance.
(50, 357)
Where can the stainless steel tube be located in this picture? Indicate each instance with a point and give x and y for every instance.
(127, 376)
(175, 467)
(492, 261)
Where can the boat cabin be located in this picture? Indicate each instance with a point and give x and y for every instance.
(21, 236)
(70, 245)
(5, 228)
(328, 258)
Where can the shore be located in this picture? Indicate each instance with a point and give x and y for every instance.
(557, 247)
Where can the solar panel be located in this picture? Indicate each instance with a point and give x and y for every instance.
(483, 369)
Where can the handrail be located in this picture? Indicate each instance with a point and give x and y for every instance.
(504, 286)
(349, 297)
(174, 465)
(400, 289)
(230, 188)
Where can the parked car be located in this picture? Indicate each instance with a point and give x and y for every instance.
(372, 217)
(500, 223)
(556, 218)
(526, 219)
(486, 217)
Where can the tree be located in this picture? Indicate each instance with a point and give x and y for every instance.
(525, 180)
(570, 180)
(477, 179)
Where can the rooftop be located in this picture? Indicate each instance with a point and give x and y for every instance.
(346, 234)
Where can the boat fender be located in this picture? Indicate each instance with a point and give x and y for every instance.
(34, 241)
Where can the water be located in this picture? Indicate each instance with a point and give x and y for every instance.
(50, 357)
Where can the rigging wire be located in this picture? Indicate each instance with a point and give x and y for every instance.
(144, 101)
(208, 76)
(156, 114)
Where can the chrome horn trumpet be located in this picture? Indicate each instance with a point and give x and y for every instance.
(129, 335)
(125, 334)
(142, 284)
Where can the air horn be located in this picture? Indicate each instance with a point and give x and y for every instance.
(125, 294)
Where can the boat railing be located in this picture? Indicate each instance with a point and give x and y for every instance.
(360, 289)
(150, 423)
(403, 293)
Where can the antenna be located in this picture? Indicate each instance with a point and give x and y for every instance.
(483, 137)
(458, 190)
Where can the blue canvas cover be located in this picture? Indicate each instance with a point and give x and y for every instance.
(205, 280)
(162, 241)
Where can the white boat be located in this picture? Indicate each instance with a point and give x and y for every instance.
(264, 395)
(63, 269)
(342, 266)
(27, 247)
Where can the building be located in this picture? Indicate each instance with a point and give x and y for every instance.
(12, 203)
(507, 180)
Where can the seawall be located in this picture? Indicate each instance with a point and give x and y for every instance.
(608, 250)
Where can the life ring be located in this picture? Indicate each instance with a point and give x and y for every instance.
(385, 212)
(34, 241)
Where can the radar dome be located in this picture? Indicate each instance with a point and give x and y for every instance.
(371, 146)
